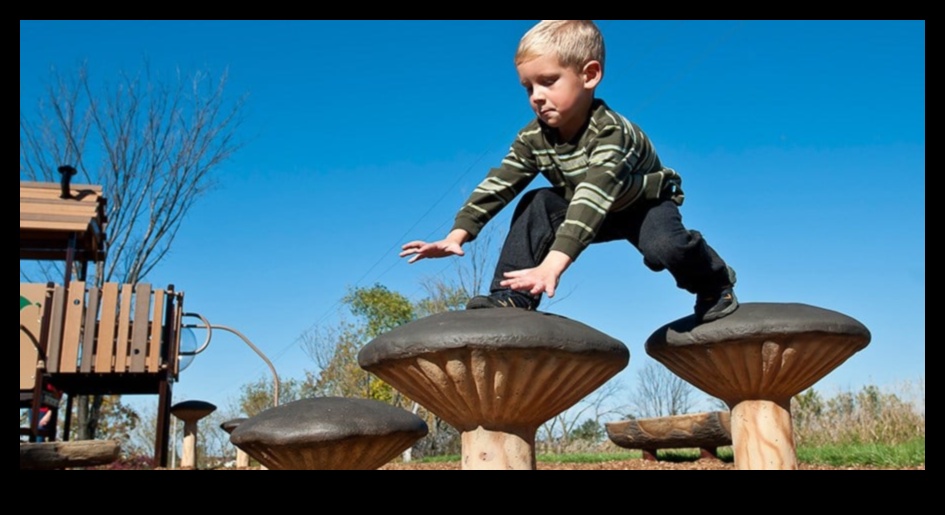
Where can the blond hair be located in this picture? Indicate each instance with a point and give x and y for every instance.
(575, 42)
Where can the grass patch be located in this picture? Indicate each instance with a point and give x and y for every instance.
(908, 454)
(443, 458)
(904, 455)
(588, 457)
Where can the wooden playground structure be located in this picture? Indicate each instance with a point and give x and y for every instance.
(78, 338)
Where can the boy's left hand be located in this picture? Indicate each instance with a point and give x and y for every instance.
(541, 279)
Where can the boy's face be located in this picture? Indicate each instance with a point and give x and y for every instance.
(560, 96)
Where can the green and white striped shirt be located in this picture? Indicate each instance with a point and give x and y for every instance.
(611, 165)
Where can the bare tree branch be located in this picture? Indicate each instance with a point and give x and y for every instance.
(661, 393)
(152, 143)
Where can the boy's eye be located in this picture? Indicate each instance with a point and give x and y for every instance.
(548, 81)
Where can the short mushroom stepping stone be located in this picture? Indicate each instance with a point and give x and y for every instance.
(756, 360)
(242, 459)
(190, 412)
(495, 375)
(328, 433)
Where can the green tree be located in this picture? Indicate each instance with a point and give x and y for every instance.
(258, 396)
(590, 430)
(335, 350)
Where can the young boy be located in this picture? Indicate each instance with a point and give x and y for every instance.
(607, 183)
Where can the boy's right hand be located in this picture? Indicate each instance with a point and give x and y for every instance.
(421, 249)
(452, 245)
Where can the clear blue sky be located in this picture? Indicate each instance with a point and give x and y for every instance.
(801, 145)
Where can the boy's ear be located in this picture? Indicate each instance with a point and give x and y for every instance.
(592, 74)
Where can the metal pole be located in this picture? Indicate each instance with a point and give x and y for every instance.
(210, 327)
(174, 447)
(275, 376)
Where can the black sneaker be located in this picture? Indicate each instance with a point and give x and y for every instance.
(717, 305)
(714, 307)
(503, 299)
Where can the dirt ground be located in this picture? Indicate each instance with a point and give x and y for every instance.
(633, 464)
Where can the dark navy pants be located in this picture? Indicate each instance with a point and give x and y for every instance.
(654, 227)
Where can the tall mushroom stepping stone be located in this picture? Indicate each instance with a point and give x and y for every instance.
(756, 360)
(495, 375)
(328, 433)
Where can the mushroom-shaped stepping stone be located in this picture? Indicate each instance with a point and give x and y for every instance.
(242, 459)
(495, 375)
(190, 412)
(328, 433)
(755, 360)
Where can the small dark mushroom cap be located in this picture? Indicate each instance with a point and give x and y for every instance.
(502, 328)
(232, 424)
(192, 410)
(328, 433)
(325, 419)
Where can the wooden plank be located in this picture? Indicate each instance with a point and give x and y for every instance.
(173, 352)
(55, 330)
(124, 326)
(157, 325)
(53, 190)
(54, 222)
(139, 337)
(105, 344)
(58, 208)
(89, 328)
(75, 307)
(54, 187)
(31, 317)
(86, 198)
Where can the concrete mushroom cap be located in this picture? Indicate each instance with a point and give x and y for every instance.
(496, 368)
(232, 424)
(502, 328)
(326, 419)
(192, 410)
(762, 351)
(758, 320)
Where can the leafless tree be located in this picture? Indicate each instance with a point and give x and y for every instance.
(152, 143)
(474, 271)
(661, 393)
(555, 434)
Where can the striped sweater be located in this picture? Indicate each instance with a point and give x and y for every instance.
(610, 165)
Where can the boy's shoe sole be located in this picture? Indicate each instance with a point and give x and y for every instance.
(488, 301)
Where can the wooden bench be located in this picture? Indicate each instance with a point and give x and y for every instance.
(117, 339)
(705, 431)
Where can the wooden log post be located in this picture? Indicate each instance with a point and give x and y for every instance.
(61, 455)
